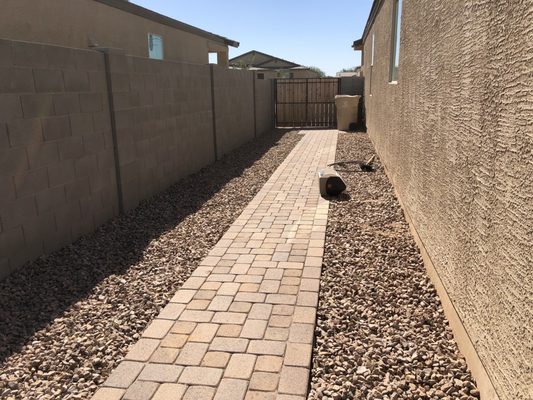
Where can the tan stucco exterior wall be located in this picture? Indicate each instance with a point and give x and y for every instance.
(456, 135)
(72, 23)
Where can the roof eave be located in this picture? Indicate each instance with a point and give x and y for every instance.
(164, 20)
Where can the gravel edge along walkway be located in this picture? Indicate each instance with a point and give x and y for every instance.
(67, 319)
(381, 331)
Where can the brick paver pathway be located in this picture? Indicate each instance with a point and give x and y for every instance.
(241, 327)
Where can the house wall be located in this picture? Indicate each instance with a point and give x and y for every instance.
(72, 23)
(456, 136)
(264, 99)
(60, 156)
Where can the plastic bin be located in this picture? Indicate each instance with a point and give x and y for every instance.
(347, 111)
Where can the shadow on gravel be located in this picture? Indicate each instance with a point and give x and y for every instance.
(40, 292)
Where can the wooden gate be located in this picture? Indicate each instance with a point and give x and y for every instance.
(306, 102)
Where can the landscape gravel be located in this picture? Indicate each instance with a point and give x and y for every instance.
(381, 331)
(67, 319)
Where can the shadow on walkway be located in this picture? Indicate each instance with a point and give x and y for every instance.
(45, 289)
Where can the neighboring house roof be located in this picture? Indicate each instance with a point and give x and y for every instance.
(164, 20)
(256, 59)
(376, 6)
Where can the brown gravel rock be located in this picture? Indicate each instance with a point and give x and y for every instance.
(67, 319)
(381, 331)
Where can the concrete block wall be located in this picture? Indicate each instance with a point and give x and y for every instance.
(264, 109)
(234, 108)
(61, 153)
(164, 123)
(57, 179)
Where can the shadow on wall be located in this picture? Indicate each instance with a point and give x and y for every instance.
(34, 296)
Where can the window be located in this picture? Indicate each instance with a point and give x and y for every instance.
(155, 46)
(395, 47)
(260, 75)
(372, 57)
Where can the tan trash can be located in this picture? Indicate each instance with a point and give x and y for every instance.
(347, 111)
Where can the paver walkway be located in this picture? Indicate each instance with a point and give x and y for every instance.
(242, 326)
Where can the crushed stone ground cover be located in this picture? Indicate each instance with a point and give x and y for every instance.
(67, 319)
(381, 331)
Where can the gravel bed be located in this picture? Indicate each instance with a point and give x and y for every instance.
(381, 331)
(67, 319)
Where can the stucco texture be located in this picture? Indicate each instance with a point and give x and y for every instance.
(456, 134)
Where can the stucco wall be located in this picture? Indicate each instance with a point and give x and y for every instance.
(57, 176)
(234, 108)
(72, 23)
(456, 133)
(264, 110)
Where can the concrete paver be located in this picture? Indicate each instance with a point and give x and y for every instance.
(241, 327)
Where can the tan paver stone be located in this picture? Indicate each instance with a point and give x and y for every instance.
(254, 329)
(293, 380)
(281, 299)
(220, 303)
(175, 341)
(229, 318)
(239, 306)
(249, 279)
(265, 381)
(183, 296)
(124, 375)
(216, 359)
(183, 327)
(273, 333)
(221, 278)
(170, 391)
(305, 315)
(201, 376)
(250, 297)
(290, 280)
(313, 261)
(196, 316)
(310, 285)
(274, 274)
(290, 397)
(301, 333)
(230, 345)
(269, 286)
(205, 294)
(158, 329)
(283, 309)
(268, 363)
(204, 332)
(229, 330)
(240, 269)
(202, 271)
(108, 394)
(142, 350)
(240, 366)
(192, 354)
(260, 311)
(199, 393)
(160, 373)
(307, 299)
(298, 355)
(266, 347)
(141, 391)
(198, 305)
(193, 283)
(165, 355)
(257, 271)
(286, 289)
(253, 395)
(228, 289)
(231, 389)
(280, 321)
(211, 286)
(171, 311)
(249, 287)
(316, 252)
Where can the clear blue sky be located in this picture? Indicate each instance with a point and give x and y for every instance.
(318, 33)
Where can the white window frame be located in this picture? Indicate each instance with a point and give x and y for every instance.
(150, 42)
(395, 40)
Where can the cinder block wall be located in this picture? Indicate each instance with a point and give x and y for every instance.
(234, 108)
(164, 123)
(57, 178)
(57, 148)
(264, 109)
(456, 133)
